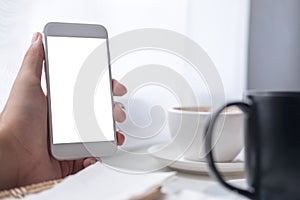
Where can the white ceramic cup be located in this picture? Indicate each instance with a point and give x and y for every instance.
(187, 127)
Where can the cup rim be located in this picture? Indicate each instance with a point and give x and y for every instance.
(177, 109)
(272, 93)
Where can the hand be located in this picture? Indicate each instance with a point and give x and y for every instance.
(24, 154)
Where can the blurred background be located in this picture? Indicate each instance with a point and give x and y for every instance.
(219, 27)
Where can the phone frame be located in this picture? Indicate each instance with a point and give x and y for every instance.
(70, 151)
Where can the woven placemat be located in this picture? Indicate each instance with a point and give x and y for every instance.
(20, 192)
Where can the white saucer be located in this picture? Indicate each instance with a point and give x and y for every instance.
(172, 158)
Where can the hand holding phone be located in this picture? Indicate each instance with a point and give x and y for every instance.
(67, 47)
(23, 128)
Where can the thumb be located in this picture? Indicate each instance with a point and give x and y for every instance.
(31, 69)
(26, 93)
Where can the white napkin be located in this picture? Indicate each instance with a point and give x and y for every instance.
(208, 192)
(193, 195)
(240, 157)
(100, 182)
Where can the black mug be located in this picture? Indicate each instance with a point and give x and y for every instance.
(272, 145)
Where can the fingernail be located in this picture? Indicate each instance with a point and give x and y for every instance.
(34, 38)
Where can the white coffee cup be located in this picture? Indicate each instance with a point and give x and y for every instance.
(187, 127)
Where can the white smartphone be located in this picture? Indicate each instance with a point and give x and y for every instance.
(79, 90)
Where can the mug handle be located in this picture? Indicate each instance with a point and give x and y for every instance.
(209, 154)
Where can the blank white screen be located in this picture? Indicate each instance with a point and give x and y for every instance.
(66, 56)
